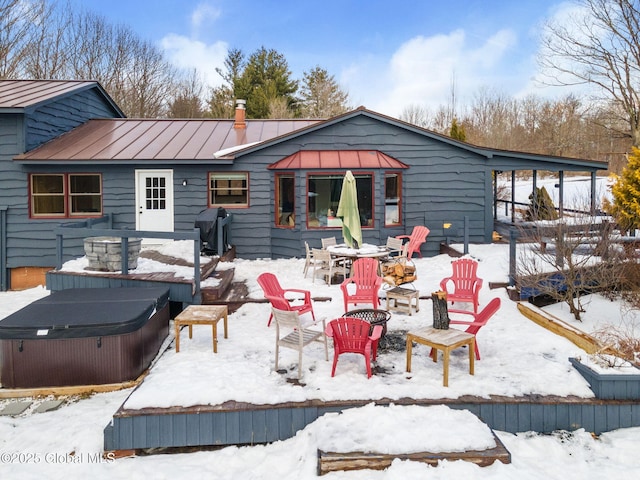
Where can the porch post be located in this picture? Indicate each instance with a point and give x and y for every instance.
(513, 237)
(593, 193)
(561, 193)
(513, 196)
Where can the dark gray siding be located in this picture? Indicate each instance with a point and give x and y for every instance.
(55, 118)
(443, 183)
(31, 242)
(211, 425)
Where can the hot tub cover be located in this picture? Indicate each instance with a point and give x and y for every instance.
(85, 312)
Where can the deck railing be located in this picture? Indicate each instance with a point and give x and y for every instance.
(86, 228)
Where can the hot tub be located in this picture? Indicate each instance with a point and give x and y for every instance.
(83, 336)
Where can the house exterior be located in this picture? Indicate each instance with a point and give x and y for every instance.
(280, 179)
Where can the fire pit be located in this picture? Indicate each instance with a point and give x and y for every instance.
(374, 317)
(105, 253)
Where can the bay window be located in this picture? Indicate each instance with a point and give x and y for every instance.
(323, 192)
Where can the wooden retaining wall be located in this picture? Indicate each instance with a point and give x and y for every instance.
(245, 424)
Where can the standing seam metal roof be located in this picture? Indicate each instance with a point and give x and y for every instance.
(158, 139)
(16, 94)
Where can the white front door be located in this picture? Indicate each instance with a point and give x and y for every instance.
(154, 200)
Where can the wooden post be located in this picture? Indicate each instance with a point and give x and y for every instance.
(440, 312)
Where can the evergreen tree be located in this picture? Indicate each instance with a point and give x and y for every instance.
(626, 194)
(266, 77)
(457, 131)
(541, 206)
(321, 96)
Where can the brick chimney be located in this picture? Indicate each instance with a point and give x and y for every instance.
(240, 122)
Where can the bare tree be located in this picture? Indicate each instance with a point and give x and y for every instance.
(568, 258)
(416, 115)
(188, 101)
(46, 55)
(17, 20)
(598, 45)
(150, 81)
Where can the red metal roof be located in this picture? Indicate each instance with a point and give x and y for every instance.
(26, 93)
(337, 159)
(158, 139)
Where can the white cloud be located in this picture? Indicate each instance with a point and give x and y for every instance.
(188, 54)
(422, 70)
(204, 13)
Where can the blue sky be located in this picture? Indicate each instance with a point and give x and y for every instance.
(387, 54)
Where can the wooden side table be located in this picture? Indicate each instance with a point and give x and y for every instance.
(445, 340)
(407, 295)
(201, 315)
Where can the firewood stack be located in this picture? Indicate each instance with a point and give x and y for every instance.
(398, 272)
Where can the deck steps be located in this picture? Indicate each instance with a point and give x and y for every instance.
(333, 461)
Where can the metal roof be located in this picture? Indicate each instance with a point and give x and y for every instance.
(20, 94)
(129, 140)
(339, 159)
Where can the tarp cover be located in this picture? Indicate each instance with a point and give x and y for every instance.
(85, 312)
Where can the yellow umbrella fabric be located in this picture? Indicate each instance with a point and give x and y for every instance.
(348, 211)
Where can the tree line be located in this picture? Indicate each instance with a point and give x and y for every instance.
(598, 46)
(47, 40)
(563, 127)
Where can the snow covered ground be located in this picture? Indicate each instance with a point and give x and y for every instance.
(66, 443)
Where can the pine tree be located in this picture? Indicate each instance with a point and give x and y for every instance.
(541, 206)
(321, 96)
(266, 77)
(457, 131)
(626, 194)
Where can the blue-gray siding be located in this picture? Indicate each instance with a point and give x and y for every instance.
(31, 242)
(206, 425)
(445, 183)
(62, 115)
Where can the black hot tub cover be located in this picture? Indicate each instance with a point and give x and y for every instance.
(85, 312)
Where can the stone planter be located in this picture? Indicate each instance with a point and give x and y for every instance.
(610, 386)
(105, 253)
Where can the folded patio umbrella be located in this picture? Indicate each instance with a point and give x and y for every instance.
(348, 211)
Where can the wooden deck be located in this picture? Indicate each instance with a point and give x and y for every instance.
(334, 461)
(234, 423)
(181, 290)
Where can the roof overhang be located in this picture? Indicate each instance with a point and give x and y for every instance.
(337, 159)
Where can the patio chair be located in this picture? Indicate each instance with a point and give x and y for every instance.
(479, 321)
(415, 240)
(463, 285)
(329, 241)
(364, 283)
(309, 260)
(326, 266)
(290, 333)
(351, 335)
(374, 317)
(395, 247)
(276, 295)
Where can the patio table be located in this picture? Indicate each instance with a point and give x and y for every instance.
(350, 254)
(445, 340)
(201, 315)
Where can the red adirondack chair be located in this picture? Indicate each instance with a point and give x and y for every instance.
(351, 335)
(364, 275)
(416, 239)
(464, 285)
(479, 320)
(276, 295)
